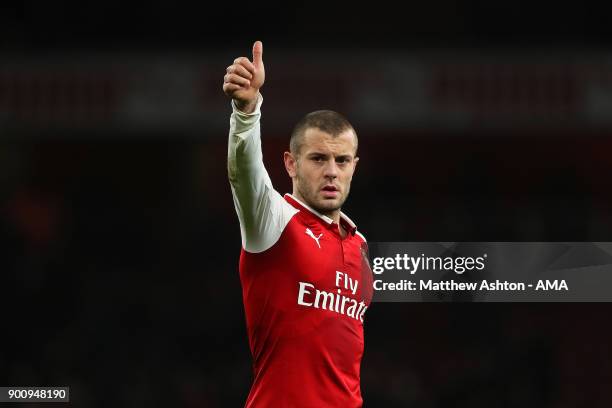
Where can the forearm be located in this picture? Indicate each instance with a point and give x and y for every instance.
(244, 144)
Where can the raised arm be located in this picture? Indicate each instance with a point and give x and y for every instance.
(262, 212)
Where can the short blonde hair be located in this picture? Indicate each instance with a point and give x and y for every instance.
(325, 120)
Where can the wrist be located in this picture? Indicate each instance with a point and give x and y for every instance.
(246, 106)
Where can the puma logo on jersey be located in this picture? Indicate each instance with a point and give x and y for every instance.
(312, 235)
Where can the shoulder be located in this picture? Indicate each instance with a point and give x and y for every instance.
(275, 217)
(360, 235)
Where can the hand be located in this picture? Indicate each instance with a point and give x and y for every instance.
(244, 78)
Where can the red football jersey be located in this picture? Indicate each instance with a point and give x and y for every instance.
(305, 288)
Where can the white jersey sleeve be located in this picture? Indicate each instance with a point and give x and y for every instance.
(262, 211)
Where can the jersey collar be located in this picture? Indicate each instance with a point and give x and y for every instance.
(347, 223)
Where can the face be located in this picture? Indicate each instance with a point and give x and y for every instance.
(323, 169)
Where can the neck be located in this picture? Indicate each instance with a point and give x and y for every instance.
(334, 215)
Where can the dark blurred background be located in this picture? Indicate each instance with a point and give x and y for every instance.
(478, 121)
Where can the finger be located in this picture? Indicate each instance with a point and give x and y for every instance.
(231, 87)
(258, 54)
(245, 63)
(239, 70)
(236, 79)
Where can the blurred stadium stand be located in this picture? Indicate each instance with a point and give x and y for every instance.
(413, 91)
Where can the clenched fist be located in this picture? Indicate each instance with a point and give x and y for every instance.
(244, 78)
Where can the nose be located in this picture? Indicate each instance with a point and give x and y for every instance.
(331, 169)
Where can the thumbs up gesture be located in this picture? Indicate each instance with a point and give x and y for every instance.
(244, 78)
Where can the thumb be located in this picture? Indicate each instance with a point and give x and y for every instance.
(257, 54)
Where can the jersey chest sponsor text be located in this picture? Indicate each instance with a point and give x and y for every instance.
(339, 301)
(331, 279)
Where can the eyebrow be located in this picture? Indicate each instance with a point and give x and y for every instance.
(341, 156)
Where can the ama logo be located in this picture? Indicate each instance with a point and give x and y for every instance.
(551, 285)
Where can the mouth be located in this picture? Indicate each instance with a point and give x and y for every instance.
(330, 191)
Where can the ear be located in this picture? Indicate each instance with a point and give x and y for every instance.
(355, 161)
(290, 164)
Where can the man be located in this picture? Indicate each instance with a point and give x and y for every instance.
(306, 282)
